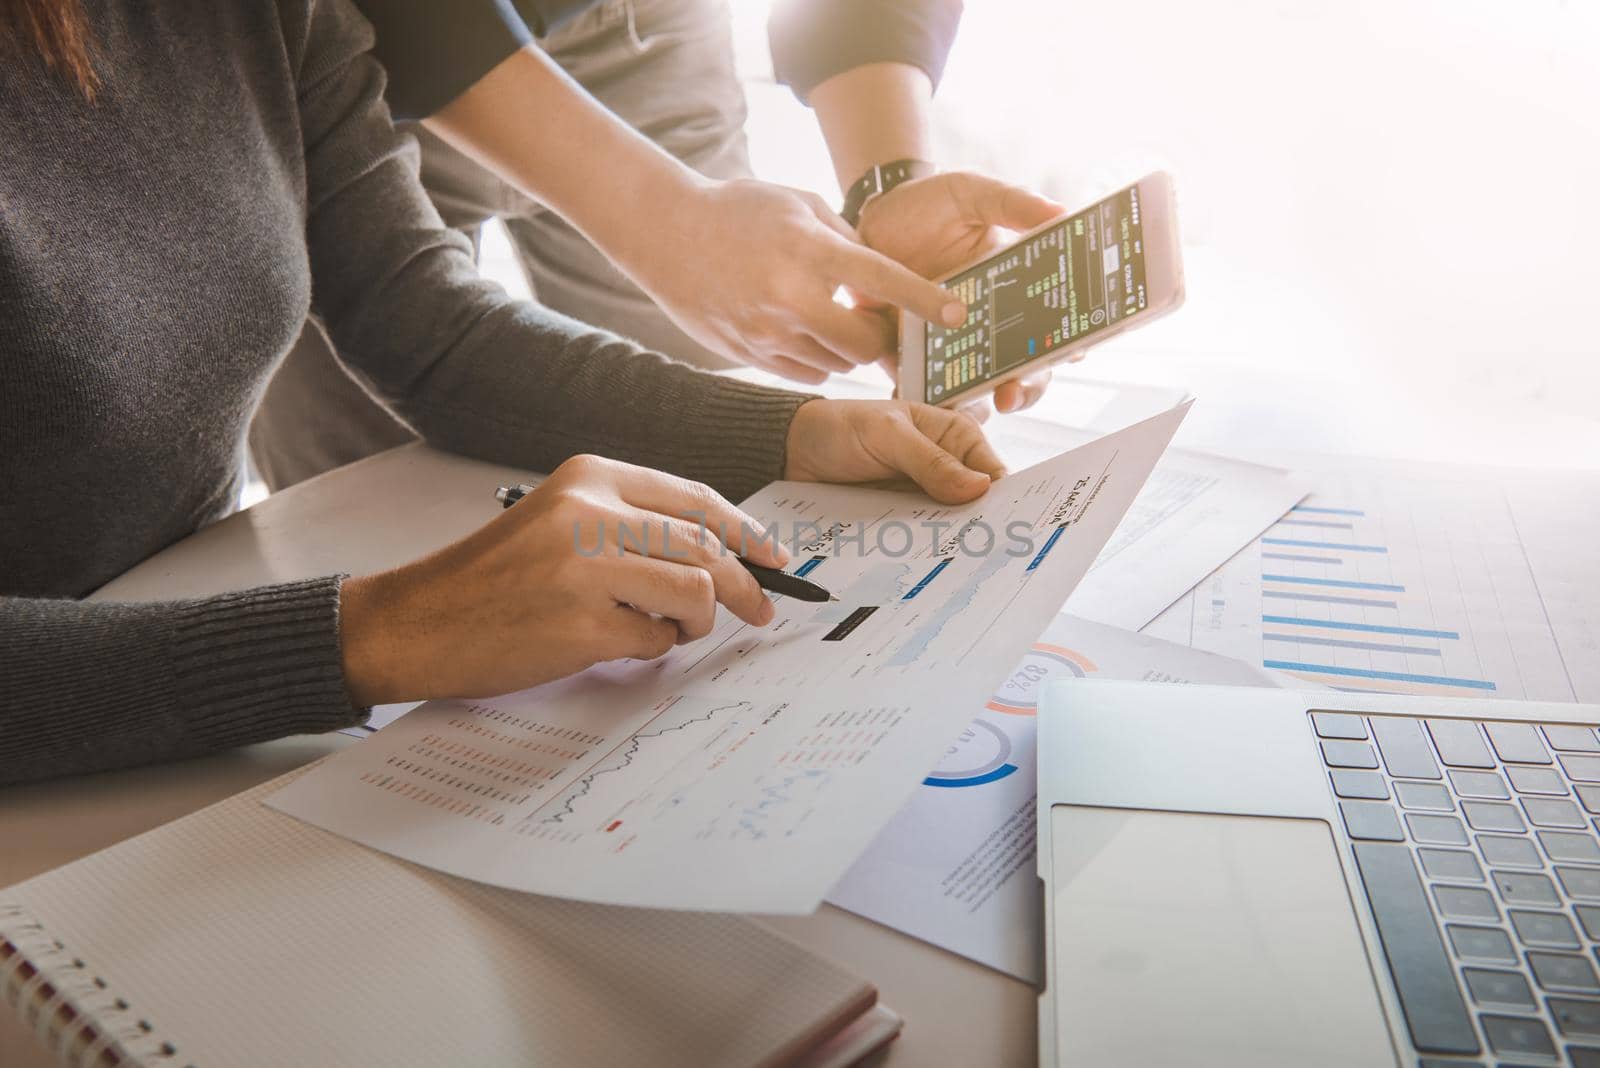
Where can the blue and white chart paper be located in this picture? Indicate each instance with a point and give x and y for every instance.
(745, 772)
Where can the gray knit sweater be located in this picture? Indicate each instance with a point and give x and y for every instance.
(159, 251)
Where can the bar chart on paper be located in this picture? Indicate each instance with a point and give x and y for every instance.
(1389, 584)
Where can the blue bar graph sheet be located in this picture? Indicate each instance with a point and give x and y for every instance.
(1387, 584)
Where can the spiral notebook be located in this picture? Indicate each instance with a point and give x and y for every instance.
(240, 936)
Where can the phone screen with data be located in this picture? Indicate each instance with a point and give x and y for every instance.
(1081, 275)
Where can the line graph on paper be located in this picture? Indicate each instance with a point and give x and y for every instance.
(1386, 585)
(679, 729)
(777, 806)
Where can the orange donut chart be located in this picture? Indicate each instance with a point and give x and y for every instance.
(1019, 695)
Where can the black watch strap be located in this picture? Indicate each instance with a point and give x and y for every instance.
(878, 181)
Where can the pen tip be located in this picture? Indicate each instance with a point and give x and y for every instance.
(831, 597)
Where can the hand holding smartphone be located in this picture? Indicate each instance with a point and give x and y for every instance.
(1058, 289)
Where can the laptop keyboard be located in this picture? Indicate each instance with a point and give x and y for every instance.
(1479, 849)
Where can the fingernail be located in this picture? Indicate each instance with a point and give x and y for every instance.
(955, 314)
(766, 613)
(781, 553)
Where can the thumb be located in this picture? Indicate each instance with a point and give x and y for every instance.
(999, 203)
(942, 476)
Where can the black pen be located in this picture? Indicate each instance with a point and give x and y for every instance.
(768, 578)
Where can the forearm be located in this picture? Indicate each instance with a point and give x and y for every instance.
(513, 382)
(471, 370)
(93, 686)
(526, 386)
(874, 114)
(531, 124)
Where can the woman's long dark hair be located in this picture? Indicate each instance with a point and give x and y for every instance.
(57, 31)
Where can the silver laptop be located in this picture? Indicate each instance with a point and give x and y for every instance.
(1269, 877)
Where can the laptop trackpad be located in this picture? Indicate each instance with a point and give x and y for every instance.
(1188, 938)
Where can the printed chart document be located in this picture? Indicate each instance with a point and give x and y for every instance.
(1196, 511)
(745, 772)
(1416, 579)
(955, 866)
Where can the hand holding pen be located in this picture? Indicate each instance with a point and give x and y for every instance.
(771, 579)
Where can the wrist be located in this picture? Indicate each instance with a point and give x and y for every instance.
(371, 668)
(879, 181)
(878, 209)
(646, 230)
(630, 190)
(795, 468)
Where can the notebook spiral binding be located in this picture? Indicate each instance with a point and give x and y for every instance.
(101, 1026)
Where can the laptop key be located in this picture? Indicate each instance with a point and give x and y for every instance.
(1423, 795)
(1460, 743)
(1503, 852)
(1564, 972)
(1553, 812)
(1436, 1014)
(1577, 848)
(1436, 830)
(1524, 888)
(1580, 768)
(1575, 1018)
(1517, 743)
(1371, 820)
(1526, 780)
(1510, 1035)
(1551, 930)
(1405, 751)
(1491, 816)
(1589, 916)
(1456, 864)
(1348, 755)
(1362, 784)
(1339, 725)
(1581, 883)
(1508, 989)
(1465, 903)
(1481, 943)
(1566, 736)
(1582, 1057)
(1590, 796)
(1478, 784)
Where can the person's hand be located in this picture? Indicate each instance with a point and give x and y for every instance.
(941, 450)
(603, 561)
(936, 224)
(749, 270)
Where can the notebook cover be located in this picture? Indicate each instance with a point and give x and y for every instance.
(240, 936)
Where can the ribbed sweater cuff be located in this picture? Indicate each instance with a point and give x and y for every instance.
(746, 433)
(261, 663)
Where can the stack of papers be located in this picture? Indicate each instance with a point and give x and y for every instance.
(766, 762)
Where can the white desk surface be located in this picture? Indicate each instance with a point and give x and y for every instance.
(394, 506)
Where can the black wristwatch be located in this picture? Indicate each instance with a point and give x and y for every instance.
(878, 181)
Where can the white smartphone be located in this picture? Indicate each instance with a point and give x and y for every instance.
(1069, 284)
